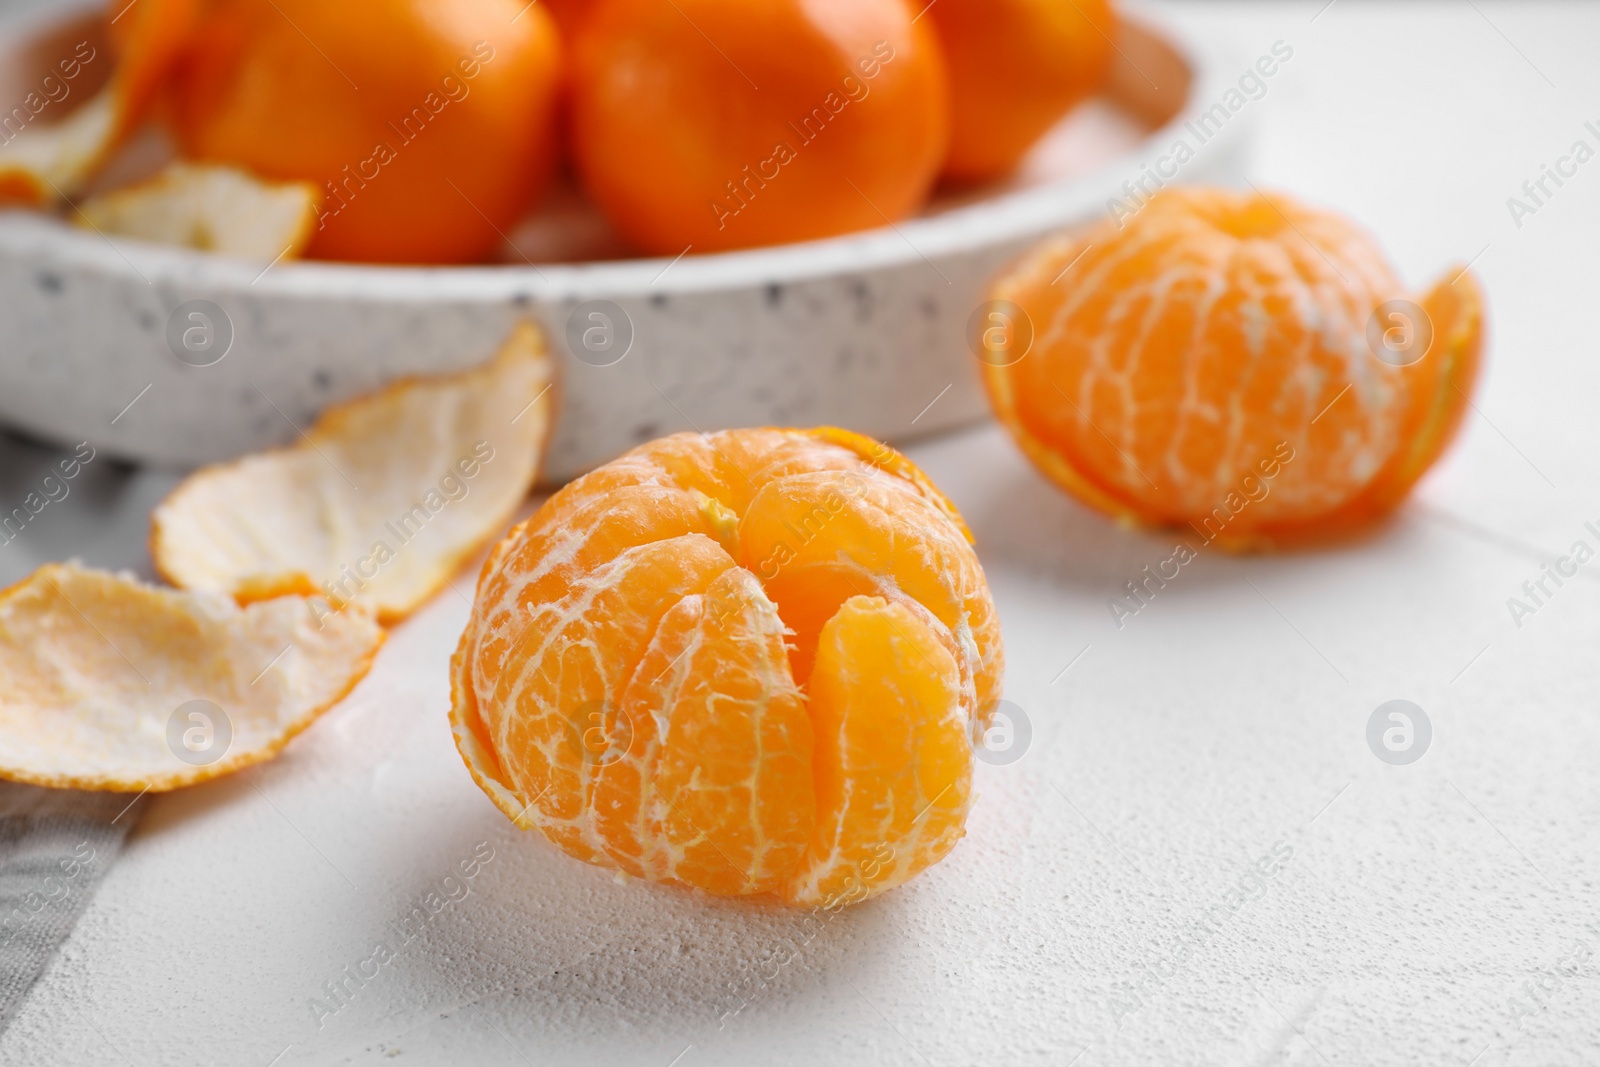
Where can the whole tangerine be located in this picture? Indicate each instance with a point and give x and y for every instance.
(1016, 67)
(714, 124)
(1238, 362)
(428, 125)
(751, 662)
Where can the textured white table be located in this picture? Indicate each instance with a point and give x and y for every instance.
(1417, 908)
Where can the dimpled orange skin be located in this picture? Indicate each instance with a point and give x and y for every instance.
(428, 125)
(1016, 67)
(748, 662)
(1209, 364)
(837, 108)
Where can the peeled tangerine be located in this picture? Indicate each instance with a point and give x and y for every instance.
(379, 502)
(1237, 362)
(748, 662)
(113, 684)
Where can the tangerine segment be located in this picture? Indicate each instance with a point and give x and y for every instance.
(625, 684)
(1438, 393)
(215, 209)
(561, 666)
(820, 538)
(380, 501)
(715, 789)
(521, 574)
(893, 756)
(1207, 361)
(100, 668)
(1439, 385)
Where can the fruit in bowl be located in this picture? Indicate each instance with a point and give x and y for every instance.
(430, 131)
(328, 333)
(428, 128)
(1016, 66)
(714, 124)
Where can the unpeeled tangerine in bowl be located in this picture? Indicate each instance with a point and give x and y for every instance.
(750, 662)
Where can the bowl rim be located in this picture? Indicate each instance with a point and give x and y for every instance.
(1006, 217)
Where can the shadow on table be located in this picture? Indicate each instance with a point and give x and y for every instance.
(1025, 522)
(555, 950)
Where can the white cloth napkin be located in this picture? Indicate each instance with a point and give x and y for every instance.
(55, 846)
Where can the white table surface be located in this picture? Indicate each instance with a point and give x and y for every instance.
(1225, 720)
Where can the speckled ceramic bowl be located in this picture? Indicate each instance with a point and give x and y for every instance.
(866, 331)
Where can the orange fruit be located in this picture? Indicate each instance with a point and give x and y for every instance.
(1016, 67)
(1236, 361)
(148, 37)
(716, 124)
(427, 126)
(567, 13)
(748, 662)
